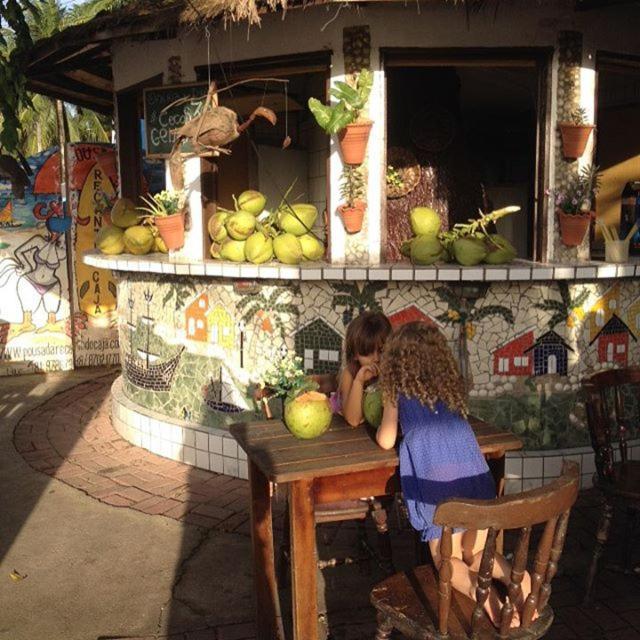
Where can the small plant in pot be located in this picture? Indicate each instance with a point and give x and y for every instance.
(344, 118)
(575, 134)
(352, 191)
(166, 210)
(574, 205)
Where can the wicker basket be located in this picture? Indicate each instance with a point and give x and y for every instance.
(405, 163)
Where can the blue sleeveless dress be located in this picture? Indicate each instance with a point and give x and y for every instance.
(439, 459)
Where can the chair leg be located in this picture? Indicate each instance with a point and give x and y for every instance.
(384, 539)
(384, 627)
(601, 539)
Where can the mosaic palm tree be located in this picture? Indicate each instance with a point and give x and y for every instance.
(360, 297)
(463, 312)
(567, 309)
(268, 309)
(180, 290)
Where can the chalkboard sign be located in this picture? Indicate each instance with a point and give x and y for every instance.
(158, 123)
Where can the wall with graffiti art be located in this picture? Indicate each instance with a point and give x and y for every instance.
(49, 320)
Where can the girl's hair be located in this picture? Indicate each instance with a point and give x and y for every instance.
(417, 363)
(365, 334)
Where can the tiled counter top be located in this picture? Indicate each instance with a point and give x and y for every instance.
(518, 271)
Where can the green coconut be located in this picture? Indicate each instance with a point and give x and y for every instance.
(297, 219)
(216, 228)
(308, 416)
(425, 250)
(232, 250)
(425, 221)
(372, 405)
(288, 249)
(139, 239)
(124, 213)
(499, 250)
(252, 201)
(469, 251)
(110, 240)
(258, 248)
(312, 248)
(240, 225)
(159, 245)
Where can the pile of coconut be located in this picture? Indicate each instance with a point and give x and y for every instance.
(251, 233)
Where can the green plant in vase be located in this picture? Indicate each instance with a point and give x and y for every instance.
(166, 211)
(344, 118)
(353, 194)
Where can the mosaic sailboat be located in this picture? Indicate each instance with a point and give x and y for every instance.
(224, 396)
(142, 367)
(6, 216)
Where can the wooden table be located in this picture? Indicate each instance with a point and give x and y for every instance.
(343, 464)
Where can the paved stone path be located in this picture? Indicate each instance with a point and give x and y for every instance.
(71, 439)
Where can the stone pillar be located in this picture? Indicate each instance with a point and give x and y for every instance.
(575, 89)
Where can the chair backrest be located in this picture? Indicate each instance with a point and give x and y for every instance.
(550, 505)
(605, 415)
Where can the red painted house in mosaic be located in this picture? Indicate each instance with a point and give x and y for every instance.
(512, 359)
(410, 314)
(613, 341)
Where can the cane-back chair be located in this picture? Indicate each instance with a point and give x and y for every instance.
(617, 477)
(422, 604)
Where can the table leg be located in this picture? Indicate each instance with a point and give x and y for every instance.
(303, 561)
(268, 616)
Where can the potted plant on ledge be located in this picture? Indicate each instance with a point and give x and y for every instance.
(574, 205)
(575, 134)
(166, 209)
(352, 191)
(345, 117)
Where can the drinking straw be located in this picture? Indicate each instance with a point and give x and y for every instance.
(630, 234)
(615, 232)
(605, 231)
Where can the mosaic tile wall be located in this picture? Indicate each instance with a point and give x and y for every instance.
(194, 349)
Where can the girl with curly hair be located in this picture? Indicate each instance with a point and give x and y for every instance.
(365, 339)
(423, 393)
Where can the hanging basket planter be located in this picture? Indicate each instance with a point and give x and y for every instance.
(353, 141)
(574, 139)
(406, 166)
(171, 229)
(352, 216)
(573, 227)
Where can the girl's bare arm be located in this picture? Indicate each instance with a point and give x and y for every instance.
(351, 391)
(388, 430)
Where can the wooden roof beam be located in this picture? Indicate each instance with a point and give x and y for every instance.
(74, 97)
(91, 80)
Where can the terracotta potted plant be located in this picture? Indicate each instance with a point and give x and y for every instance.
(344, 118)
(575, 134)
(352, 191)
(166, 210)
(574, 205)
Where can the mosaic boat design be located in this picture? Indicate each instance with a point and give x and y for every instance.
(6, 217)
(224, 396)
(156, 377)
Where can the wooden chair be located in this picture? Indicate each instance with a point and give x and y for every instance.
(619, 480)
(422, 604)
(349, 510)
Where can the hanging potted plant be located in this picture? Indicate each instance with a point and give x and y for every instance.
(166, 210)
(574, 205)
(575, 134)
(344, 118)
(352, 191)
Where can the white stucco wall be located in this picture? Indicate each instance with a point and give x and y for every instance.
(521, 23)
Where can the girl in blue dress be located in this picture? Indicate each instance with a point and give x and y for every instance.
(439, 455)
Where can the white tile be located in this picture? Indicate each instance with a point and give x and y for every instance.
(626, 271)
(215, 443)
(189, 437)
(175, 451)
(542, 274)
(552, 467)
(519, 274)
(167, 267)
(495, 275)
(585, 272)
(230, 467)
(216, 463)
(638, 270)
(155, 267)
(202, 441)
(230, 270)
(564, 273)
(213, 268)
(470, 273)
(422, 274)
(197, 269)
(532, 468)
(144, 424)
(588, 463)
(249, 271)
(243, 470)
(202, 459)
(189, 456)
(230, 447)
(268, 273)
(402, 274)
(182, 269)
(145, 441)
(330, 273)
(575, 458)
(306, 274)
(531, 483)
(135, 438)
(289, 272)
(355, 274)
(448, 273)
(241, 453)
(512, 486)
(586, 481)
(155, 444)
(607, 271)
(513, 467)
(378, 274)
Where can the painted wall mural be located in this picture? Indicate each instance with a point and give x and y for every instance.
(40, 330)
(522, 374)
